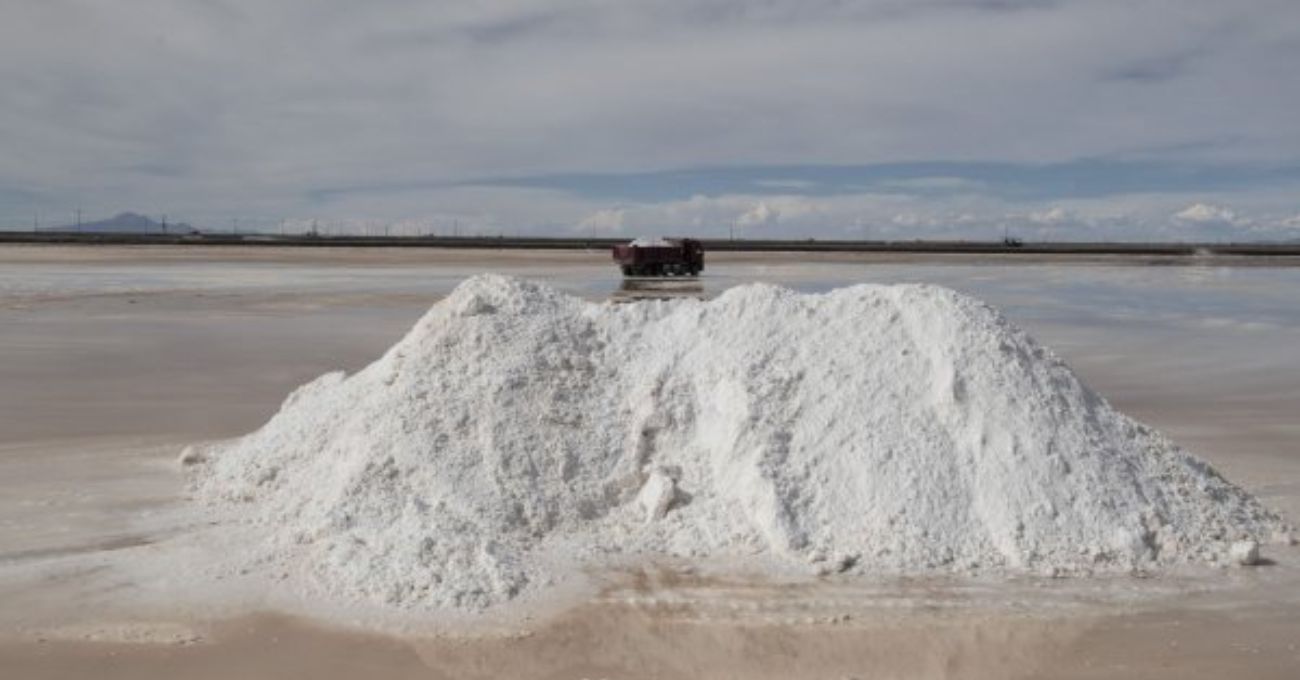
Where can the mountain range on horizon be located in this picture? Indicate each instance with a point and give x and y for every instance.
(128, 223)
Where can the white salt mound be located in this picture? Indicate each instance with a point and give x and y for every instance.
(650, 242)
(517, 433)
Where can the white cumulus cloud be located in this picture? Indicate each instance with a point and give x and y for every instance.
(1051, 217)
(608, 220)
(760, 215)
(1205, 213)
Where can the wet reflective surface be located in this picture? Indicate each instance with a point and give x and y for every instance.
(662, 288)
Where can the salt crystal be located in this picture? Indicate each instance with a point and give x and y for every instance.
(1244, 553)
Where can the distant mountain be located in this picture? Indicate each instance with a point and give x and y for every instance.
(129, 223)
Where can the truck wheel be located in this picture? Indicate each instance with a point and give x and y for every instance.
(627, 270)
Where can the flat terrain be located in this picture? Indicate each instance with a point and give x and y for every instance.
(113, 358)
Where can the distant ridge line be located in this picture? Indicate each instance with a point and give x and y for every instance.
(738, 245)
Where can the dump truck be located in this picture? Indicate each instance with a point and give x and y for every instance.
(660, 257)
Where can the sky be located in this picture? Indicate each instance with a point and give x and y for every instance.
(889, 119)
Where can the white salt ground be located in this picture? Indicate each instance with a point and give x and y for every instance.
(516, 434)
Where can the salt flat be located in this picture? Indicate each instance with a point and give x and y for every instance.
(114, 358)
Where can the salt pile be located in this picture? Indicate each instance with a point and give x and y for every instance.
(517, 433)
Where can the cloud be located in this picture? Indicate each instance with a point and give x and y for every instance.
(928, 184)
(1202, 213)
(885, 215)
(384, 110)
(907, 219)
(1052, 216)
(607, 220)
(785, 184)
(760, 215)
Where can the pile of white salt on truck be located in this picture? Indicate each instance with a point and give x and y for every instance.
(517, 434)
